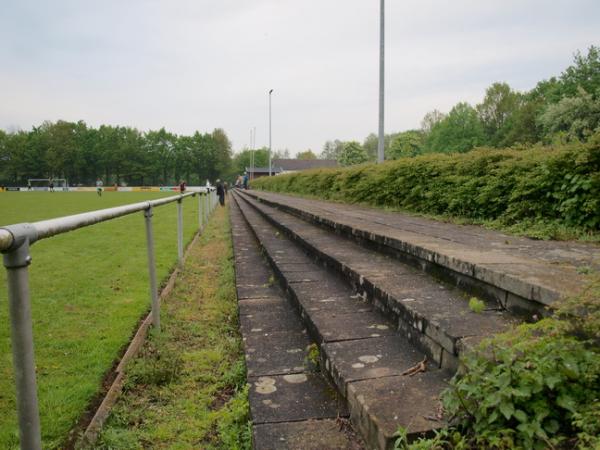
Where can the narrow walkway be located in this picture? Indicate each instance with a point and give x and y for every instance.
(291, 406)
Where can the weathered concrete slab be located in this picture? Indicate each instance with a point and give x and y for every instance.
(296, 267)
(308, 276)
(333, 327)
(269, 322)
(257, 291)
(337, 305)
(363, 359)
(381, 405)
(293, 397)
(258, 305)
(325, 434)
(276, 354)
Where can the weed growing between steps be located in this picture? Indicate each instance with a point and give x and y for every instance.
(534, 387)
(187, 387)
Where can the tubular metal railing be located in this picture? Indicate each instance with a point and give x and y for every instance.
(15, 242)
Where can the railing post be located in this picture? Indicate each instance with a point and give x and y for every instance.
(200, 213)
(154, 301)
(205, 205)
(16, 262)
(180, 231)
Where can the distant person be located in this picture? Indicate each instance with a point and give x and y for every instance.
(226, 187)
(28, 185)
(221, 192)
(51, 185)
(245, 182)
(182, 187)
(99, 185)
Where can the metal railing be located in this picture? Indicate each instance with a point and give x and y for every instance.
(15, 242)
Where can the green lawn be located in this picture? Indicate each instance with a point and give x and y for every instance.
(89, 288)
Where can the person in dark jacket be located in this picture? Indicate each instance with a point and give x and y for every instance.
(221, 192)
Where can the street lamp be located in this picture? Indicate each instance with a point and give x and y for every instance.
(270, 92)
(380, 143)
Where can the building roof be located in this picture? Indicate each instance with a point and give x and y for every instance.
(274, 169)
(304, 164)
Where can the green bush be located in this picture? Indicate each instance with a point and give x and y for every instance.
(558, 185)
(534, 387)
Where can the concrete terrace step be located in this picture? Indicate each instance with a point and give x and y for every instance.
(523, 275)
(434, 316)
(291, 407)
(360, 349)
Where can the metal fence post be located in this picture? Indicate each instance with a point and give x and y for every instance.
(16, 262)
(180, 231)
(154, 301)
(205, 206)
(200, 213)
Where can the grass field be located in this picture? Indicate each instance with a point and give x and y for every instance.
(89, 288)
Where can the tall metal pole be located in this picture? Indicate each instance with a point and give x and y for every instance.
(152, 269)
(251, 154)
(381, 142)
(16, 263)
(270, 92)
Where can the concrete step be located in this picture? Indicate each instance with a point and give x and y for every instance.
(523, 275)
(285, 397)
(433, 315)
(360, 349)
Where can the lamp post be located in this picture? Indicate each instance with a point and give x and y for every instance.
(270, 92)
(251, 156)
(381, 141)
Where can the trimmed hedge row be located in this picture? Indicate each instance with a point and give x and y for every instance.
(541, 184)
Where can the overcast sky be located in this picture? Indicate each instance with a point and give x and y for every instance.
(199, 64)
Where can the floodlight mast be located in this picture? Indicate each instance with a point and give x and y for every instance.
(270, 92)
(381, 140)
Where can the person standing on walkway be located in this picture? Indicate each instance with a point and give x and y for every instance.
(245, 180)
(99, 185)
(182, 187)
(221, 192)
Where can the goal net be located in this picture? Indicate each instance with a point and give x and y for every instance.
(43, 184)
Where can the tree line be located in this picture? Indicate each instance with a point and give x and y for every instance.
(116, 154)
(559, 110)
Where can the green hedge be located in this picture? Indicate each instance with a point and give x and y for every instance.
(542, 184)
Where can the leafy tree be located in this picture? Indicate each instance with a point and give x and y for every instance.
(583, 74)
(460, 131)
(572, 118)
(243, 159)
(80, 153)
(522, 127)
(281, 154)
(352, 153)
(406, 144)
(371, 145)
(308, 154)
(499, 105)
(332, 150)
(430, 120)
